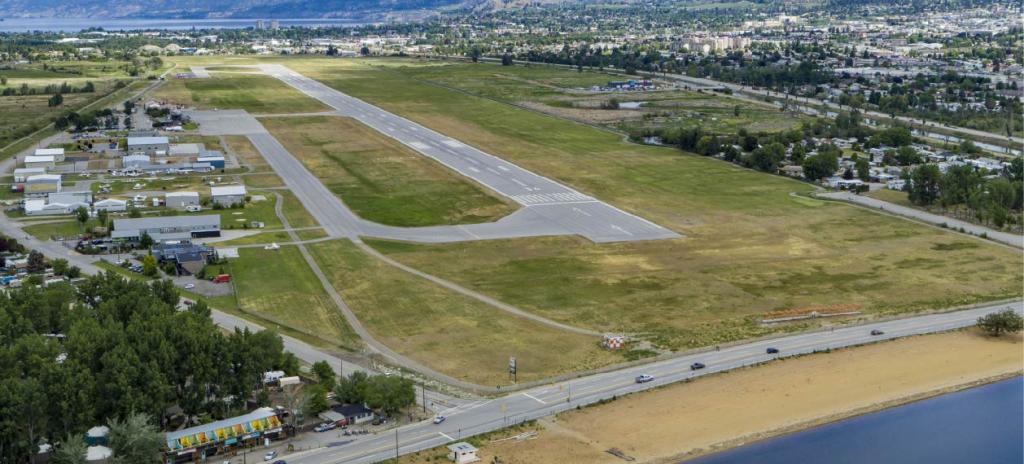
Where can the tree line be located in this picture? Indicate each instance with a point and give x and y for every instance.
(75, 357)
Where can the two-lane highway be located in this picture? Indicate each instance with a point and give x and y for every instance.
(487, 415)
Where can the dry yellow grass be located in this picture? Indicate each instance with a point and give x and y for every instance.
(665, 424)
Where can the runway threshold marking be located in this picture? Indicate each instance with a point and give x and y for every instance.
(621, 230)
(534, 398)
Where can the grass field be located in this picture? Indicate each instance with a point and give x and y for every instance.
(278, 285)
(447, 331)
(253, 93)
(749, 246)
(557, 91)
(380, 179)
(66, 228)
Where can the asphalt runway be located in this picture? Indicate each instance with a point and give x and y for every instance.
(561, 209)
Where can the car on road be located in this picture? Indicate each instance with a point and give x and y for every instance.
(280, 461)
(644, 378)
(270, 456)
(697, 366)
(190, 286)
(439, 419)
(877, 332)
(771, 350)
(325, 427)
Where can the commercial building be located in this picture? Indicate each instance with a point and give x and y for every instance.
(167, 228)
(42, 184)
(40, 161)
(152, 146)
(196, 443)
(228, 195)
(21, 174)
(185, 149)
(40, 207)
(56, 153)
(215, 158)
(181, 200)
(187, 257)
(130, 161)
(111, 205)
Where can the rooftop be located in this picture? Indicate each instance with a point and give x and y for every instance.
(228, 190)
(146, 140)
(166, 222)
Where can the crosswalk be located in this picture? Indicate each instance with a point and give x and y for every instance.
(550, 198)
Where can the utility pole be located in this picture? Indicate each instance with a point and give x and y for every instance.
(396, 442)
(423, 397)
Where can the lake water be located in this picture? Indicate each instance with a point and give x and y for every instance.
(980, 425)
(78, 24)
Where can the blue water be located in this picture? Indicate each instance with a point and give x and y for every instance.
(78, 24)
(980, 425)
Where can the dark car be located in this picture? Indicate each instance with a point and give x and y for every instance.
(877, 332)
(696, 366)
(772, 350)
(281, 461)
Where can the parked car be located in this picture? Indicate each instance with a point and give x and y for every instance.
(190, 286)
(270, 456)
(439, 419)
(877, 332)
(325, 427)
(696, 366)
(280, 461)
(644, 378)
(771, 350)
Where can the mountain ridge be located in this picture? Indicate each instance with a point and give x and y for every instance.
(213, 9)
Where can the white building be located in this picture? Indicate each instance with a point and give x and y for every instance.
(40, 161)
(21, 174)
(135, 160)
(110, 204)
(56, 153)
(228, 195)
(462, 453)
(42, 184)
(181, 200)
(185, 149)
(153, 146)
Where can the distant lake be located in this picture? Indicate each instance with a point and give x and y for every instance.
(78, 24)
(983, 424)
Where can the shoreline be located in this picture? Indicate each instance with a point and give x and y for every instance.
(833, 418)
(688, 420)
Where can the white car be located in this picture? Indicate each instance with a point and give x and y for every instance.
(439, 419)
(190, 286)
(269, 456)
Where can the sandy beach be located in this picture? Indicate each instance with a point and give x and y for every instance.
(689, 419)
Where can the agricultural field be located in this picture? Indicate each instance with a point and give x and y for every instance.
(253, 93)
(446, 331)
(21, 115)
(379, 178)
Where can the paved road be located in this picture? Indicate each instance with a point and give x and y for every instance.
(1007, 238)
(487, 415)
(564, 208)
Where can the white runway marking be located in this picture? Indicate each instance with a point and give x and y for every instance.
(533, 398)
(419, 145)
(471, 168)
